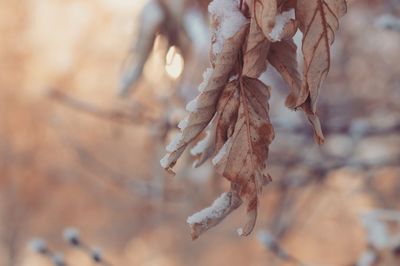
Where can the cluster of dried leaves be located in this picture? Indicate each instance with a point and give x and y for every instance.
(233, 102)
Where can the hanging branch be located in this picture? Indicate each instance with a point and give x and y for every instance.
(116, 116)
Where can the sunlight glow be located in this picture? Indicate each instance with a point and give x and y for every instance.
(174, 63)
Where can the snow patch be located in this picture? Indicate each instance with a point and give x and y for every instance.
(206, 78)
(368, 258)
(231, 20)
(192, 106)
(222, 152)
(183, 123)
(164, 162)
(280, 23)
(175, 143)
(234, 77)
(201, 146)
(377, 232)
(216, 210)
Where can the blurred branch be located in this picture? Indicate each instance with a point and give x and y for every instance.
(112, 115)
(389, 22)
(118, 180)
(272, 244)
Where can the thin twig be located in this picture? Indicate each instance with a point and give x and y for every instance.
(112, 115)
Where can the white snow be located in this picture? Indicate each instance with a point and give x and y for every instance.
(175, 143)
(164, 162)
(231, 20)
(206, 78)
(280, 23)
(221, 153)
(233, 77)
(201, 146)
(183, 123)
(216, 210)
(192, 106)
(377, 232)
(367, 258)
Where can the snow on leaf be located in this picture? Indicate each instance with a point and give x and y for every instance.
(244, 162)
(206, 77)
(205, 148)
(265, 12)
(318, 20)
(192, 106)
(221, 128)
(206, 102)
(222, 152)
(233, 103)
(209, 217)
(183, 123)
(201, 145)
(282, 20)
(230, 19)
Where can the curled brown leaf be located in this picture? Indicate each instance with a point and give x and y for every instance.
(318, 20)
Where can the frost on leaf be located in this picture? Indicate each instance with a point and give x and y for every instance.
(209, 217)
(244, 160)
(284, 26)
(203, 108)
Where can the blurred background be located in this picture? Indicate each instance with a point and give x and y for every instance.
(90, 93)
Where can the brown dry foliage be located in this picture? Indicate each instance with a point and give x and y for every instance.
(234, 102)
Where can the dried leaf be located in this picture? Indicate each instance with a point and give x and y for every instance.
(265, 12)
(205, 148)
(227, 113)
(147, 33)
(289, 30)
(256, 52)
(285, 5)
(207, 218)
(233, 103)
(318, 20)
(283, 57)
(243, 159)
(204, 106)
